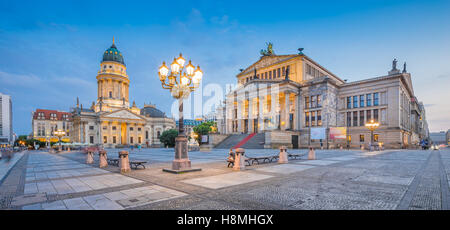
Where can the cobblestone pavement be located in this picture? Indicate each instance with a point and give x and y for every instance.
(337, 179)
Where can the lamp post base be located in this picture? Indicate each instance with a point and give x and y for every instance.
(181, 164)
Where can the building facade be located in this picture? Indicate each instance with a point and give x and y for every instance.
(285, 96)
(6, 125)
(44, 122)
(111, 120)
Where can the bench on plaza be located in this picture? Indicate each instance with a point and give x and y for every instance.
(113, 161)
(265, 159)
(136, 164)
(295, 155)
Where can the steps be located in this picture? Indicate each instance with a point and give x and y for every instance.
(249, 141)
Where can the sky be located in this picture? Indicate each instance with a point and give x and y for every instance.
(50, 51)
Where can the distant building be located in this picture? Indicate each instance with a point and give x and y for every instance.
(112, 120)
(45, 122)
(6, 125)
(189, 125)
(439, 138)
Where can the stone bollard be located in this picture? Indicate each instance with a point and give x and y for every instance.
(124, 162)
(102, 159)
(90, 157)
(239, 160)
(311, 154)
(283, 158)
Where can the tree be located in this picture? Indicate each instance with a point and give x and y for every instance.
(203, 129)
(168, 137)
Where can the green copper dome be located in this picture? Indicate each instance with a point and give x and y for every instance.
(113, 54)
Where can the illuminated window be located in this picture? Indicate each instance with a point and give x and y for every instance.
(105, 139)
(361, 138)
(114, 139)
(375, 137)
(319, 118)
(307, 119)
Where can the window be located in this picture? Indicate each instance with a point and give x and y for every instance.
(355, 101)
(319, 101)
(375, 137)
(306, 102)
(361, 101)
(265, 75)
(361, 138)
(307, 119)
(105, 139)
(313, 118)
(270, 74)
(375, 114)
(131, 128)
(91, 127)
(279, 72)
(283, 71)
(369, 99)
(139, 140)
(319, 118)
(369, 115)
(105, 128)
(355, 118)
(110, 94)
(114, 128)
(139, 129)
(158, 134)
(349, 118)
(349, 102)
(376, 98)
(114, 139)
(361, 118)
(275, 73)
(91, 139)
(146, 134)
(313, 102)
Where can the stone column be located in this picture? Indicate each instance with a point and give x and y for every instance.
(283, 158)
(261, 114)
(250, 115)
(124, 162)
(286, 110)
(239, 116)
(103, 162)
(239, 161)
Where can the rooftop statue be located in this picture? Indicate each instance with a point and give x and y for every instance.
(269, 50)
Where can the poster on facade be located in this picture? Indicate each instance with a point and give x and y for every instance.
(318, 133)
(204, 139)
(338, 133)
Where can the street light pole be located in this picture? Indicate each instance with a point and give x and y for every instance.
(180, 84)
(372, 125)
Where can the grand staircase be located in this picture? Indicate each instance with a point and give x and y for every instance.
(248, 141)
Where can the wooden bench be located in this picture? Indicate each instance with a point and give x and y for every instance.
(113, 161)
(136, 164)
(295, 155)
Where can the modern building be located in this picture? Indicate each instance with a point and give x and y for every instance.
(286, 96)
(439, 138)
(111, 120)
(6, 125)
(45, 122)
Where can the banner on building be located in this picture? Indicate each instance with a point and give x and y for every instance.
(338, 133)
(318, 133)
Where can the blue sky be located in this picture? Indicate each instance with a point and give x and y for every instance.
(50, 50)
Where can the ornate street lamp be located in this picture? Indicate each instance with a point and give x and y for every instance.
(59, 134)
(372, 125)
(181, 84)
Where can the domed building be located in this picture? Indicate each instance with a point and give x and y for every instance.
(111, 121)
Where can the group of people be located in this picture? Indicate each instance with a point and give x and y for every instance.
(7, 153)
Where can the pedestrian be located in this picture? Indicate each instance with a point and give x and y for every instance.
(231, 156)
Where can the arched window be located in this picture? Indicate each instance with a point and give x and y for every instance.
(158, 134)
